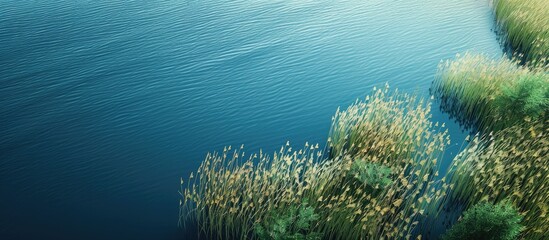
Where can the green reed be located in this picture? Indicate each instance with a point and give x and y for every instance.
(526, 26)
(388, 128)
(509, 164)
(231, 195)
(489, 94)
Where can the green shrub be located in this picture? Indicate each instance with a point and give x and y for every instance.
(488, 222)
(371, 177)
(292, 222)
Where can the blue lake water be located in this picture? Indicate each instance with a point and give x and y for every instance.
(105, 105)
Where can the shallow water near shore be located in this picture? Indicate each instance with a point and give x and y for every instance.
(104, 106)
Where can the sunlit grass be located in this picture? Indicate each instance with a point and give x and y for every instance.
(229, 194)
(233, 196)
(526, 26)
(388, 128)
(489, 94)
(393, 130)
(510, 164)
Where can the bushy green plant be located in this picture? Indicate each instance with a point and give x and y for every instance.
(488, 222)
(528, 96)
(293, 222)
(371, 177)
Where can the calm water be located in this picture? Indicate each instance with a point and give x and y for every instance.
(103, 106)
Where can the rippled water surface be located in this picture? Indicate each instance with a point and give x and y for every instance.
(104, 105)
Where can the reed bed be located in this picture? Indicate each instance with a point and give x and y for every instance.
(232, 196)
(394, 130)
(488, 95)
(389, 128)
(510, 164)
(526, 26)
(229, 193)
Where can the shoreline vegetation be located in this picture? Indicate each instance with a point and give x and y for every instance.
(489, 95)
(524, 25)
(378, 175)
(378, 178)
(379, 190)
(511, 166)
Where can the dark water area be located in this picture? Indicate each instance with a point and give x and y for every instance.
(105, 105)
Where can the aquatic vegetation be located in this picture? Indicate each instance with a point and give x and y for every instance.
(508, 164)
(487, 221)
(391, 129)
(528, 96)
(289, 223)
(509, 104)
(490, 95)
(377, 179)
(230, 197)
(526, 26)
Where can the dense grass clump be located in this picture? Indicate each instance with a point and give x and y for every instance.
(510, 164)
(490, 95)
(389, 129)
(356, 192)
(488, 222)
(230, 196)
(526, 26)
(390, 135)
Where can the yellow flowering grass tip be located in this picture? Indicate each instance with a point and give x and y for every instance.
(389, 128)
